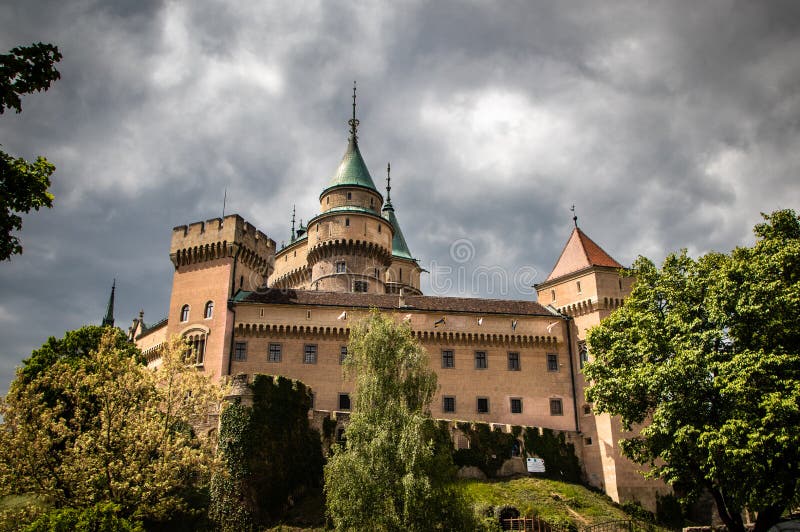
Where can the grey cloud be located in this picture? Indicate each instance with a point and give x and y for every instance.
(673, 126)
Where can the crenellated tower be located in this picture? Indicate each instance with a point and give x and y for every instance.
(213, 260)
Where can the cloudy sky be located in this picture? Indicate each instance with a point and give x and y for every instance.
(668, 125)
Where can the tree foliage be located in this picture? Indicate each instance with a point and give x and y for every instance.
(101, 427)
(23, 185)
(394, 472)
(706, 353)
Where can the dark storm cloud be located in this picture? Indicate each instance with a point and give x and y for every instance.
(667, 125)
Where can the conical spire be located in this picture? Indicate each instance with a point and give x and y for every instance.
(108, 320)
(352, 171)
(399, 245)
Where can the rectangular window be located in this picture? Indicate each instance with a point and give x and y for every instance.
(359, 286)
(377, 271)
(516, 405)
(513, 361)
(483, 405)
(341, 267)
(480, 360)
(448, 359)
(342, 354)
(552, 362)
(310, 354)
(344, 401)
(556, 408)
(579, 287)
(240, 351)
(449, 404)
(274, 353)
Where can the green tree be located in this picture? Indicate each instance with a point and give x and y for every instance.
(391, 474)
(104, 428)
(23, 185)
(706, 354)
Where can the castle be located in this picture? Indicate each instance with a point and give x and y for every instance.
(247, 307)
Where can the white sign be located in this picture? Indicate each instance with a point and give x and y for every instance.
(535, 465)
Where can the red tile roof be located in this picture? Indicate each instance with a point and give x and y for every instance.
(579, 253)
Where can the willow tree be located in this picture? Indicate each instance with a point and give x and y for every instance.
(391, 474)
(706, 352)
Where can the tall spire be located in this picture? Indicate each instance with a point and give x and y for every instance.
(108, 320)
(354, 121)
(388, 183)
(293, 211)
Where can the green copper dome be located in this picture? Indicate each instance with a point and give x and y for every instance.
(399, 246)
(352, 171)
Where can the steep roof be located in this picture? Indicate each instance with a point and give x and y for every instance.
(352, 171)
(399, 245)
(389, 302)
(108, 319)
(579, 253)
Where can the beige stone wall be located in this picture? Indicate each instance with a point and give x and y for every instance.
(291, 259)
(404, 272)
(151, 343)
(324, 274)
(362, 227)
(293, 328)
(359, 197)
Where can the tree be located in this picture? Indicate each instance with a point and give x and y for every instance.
(23, 185)
(391, 475)
(706, 353)
(104, 428)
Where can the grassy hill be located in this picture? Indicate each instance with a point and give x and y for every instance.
(556, 502)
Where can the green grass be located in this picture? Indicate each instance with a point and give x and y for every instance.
(555, 502)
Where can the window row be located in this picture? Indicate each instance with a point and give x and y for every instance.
(481, 404)
(482, 360)
(275, 352)
(208, 311)
(515, 405)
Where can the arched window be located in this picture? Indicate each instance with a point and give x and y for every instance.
(185, 313)
(196, 352)
(209, 312)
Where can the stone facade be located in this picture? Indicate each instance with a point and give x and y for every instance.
(247, 307)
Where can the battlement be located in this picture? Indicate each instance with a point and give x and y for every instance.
(220, 237)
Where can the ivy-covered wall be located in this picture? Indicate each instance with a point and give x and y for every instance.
(559, 456)
(489, 448)
(269, 455)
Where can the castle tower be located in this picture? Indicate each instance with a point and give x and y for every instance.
(213, 260)
(587, 284)
(348, 247)
(404, 272)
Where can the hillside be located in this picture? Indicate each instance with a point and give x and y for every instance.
(559, 503)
